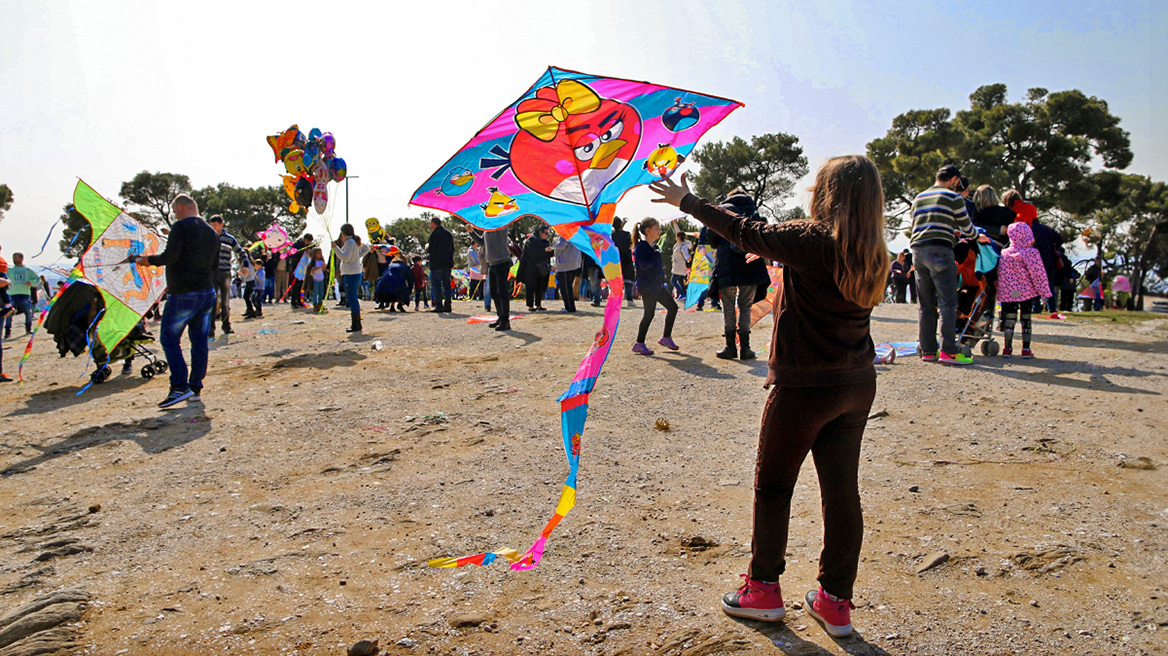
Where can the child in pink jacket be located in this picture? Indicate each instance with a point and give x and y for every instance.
(1021, 279)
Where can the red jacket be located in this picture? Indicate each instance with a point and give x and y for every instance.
(1026, 212)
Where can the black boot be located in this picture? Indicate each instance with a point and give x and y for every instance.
(731, 350)
(356, 327)
(744, 353)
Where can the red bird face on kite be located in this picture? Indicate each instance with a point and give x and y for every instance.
(572, 143)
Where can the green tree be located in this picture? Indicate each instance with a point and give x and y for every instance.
(248, 211)
(767, 168)
(149, 195)
(1042, 146)
(1131, 226)
(411, 234)
(5, 200)
(76, 233)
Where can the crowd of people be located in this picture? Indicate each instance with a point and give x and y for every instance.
(836, 268)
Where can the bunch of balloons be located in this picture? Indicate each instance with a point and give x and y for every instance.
(311, 162)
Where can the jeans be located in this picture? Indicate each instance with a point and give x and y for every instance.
(440, 288)
(677, 282)
(317, 291)
(22, 303)
(566, 282)
(258, 298)
(650, 297)
(222, 310)
(420, 296)
(486, 294)
(191, 312)
(352, 292)
(595, 287)
(901, 285)
(937, 283)
(829, 423)
(269, 290)
(630, 291)
(500, 284)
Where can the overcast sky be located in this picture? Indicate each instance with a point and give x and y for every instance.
(103, 90)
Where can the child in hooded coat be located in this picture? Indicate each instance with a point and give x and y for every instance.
(1021, 279)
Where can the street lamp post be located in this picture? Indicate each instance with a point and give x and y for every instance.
(347, 195)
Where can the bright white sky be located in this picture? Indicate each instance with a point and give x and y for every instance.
(104, 90)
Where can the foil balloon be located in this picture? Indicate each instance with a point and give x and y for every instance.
(304, 192)
(320, 197)
(294, 163)
(338, 168)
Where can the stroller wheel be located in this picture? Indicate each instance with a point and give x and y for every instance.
(161, 366)
(989, 348)
(102, 375)
(148, 371)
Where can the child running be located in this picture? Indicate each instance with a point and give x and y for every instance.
(316, 266)
(1021, 279)
(821, 366)
(651, 283)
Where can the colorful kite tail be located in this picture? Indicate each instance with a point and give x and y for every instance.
(573, 404)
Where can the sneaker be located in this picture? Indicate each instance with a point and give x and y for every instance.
(956, 358)
(755, 600)
(5, 378)
(1027, 354)
(836, 616)
(929, 357)
(667, 342)
(175, 396)
(127, 369)
(640, 349)
(1007, 352)
(493, 324)
(194, 398)
(503, 327)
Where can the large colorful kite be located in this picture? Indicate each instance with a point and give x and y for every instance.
(565, 152)
(127, 289)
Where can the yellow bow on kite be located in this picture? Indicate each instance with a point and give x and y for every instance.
(543, 123)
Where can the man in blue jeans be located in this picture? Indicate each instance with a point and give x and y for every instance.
(191, 257)
(938, 217)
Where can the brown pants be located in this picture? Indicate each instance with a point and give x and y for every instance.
(829, 422)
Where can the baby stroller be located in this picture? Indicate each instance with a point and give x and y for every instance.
(977, 265)
(73, 322)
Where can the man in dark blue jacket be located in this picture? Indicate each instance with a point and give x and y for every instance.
(440, 248)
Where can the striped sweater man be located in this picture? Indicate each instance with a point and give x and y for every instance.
(938, 214)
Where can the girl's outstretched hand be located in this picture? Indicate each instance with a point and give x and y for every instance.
(670, 191)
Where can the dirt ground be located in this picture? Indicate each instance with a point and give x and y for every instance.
(293, 511)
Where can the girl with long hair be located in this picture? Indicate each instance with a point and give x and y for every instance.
(651, 283)
(835, 265)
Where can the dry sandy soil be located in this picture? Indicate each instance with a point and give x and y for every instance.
(293, 511)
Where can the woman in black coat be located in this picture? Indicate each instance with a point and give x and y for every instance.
(624, 244)
(535, 267)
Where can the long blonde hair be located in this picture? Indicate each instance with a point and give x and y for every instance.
(848, 198)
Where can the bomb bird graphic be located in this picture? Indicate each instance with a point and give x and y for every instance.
(572, 143)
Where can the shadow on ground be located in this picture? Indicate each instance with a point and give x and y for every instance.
(345, 358)
(153, 434)
(1067, 373)
(52, 400)
(789, 642)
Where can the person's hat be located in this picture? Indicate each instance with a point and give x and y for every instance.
(948, 172)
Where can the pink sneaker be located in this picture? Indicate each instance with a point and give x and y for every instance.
(667, 342)
(836, 616)
(640, 349)
(1007, 352)
(755, 600)
(1027, 354)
